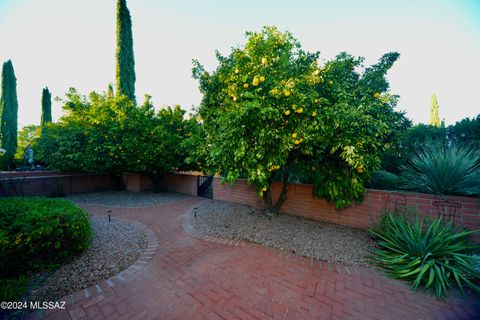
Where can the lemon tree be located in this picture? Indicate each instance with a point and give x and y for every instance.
(271, 112)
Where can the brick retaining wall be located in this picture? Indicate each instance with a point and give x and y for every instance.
(181, 182)
(53, 183)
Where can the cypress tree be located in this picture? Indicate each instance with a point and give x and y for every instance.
(125, 66)
(46, 107)
(9, 109)
(110, 91)
(434, 118)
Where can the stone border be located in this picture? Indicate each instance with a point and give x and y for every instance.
(371, 272)
(95, 293)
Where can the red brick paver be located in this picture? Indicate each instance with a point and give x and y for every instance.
(189, 277)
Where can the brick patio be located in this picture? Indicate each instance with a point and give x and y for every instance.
(188, 276)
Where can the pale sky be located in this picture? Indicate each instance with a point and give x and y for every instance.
(71, 43)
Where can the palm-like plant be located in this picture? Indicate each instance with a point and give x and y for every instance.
(428, 253)
(441, 170)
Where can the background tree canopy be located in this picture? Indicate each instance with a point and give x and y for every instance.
(103, 134)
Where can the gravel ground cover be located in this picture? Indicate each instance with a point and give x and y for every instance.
(323, 241)
(115, 246)
(125, 199)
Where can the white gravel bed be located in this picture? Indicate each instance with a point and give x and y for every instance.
(125, 199)
(116, 245)
(322, 241)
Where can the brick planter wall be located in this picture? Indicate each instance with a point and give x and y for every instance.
(182, 183)
(136, 182)
(52, 183)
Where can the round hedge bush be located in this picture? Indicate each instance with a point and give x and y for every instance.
(36, 233)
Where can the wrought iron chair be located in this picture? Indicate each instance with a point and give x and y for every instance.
(447, 209)
(396, 203)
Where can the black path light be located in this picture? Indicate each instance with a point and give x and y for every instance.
(109, 215)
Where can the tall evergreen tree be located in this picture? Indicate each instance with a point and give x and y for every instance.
(125, 67)
(434, 118)
(110, 93)
(9, 110)
(46, 106)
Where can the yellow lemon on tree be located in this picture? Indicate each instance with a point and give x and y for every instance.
(294, 106)
(287, 112)
(255, 81)
(360, 169)
(314, 114)
(264, 189)
(316, 100)
(277, 167)
(376, 95)
(294, 135)
(297, 142)
(245, 85)
(234, 98)
(262, 78)
(237, 71)
(283, 82)
(287, 93)
(299, 110)
(264, 60)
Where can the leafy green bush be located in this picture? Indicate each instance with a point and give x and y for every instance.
(466, 132)
(384, 180)
(440, 170)
(413, 138)
(11, 289)
(428, 253)
(105, 134)
(38, 232)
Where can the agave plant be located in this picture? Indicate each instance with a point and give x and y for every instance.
(428, 253)
(441, 170)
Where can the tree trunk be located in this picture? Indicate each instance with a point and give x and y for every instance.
(283, 193)
(270, 207)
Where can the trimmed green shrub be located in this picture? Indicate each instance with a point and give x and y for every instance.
(384, 180)
(428, 253)
(13, 288)
(36, 233)
(440, 170)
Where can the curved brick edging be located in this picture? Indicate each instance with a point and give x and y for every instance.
(371, 272)
(95, 293)
(123, 276)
